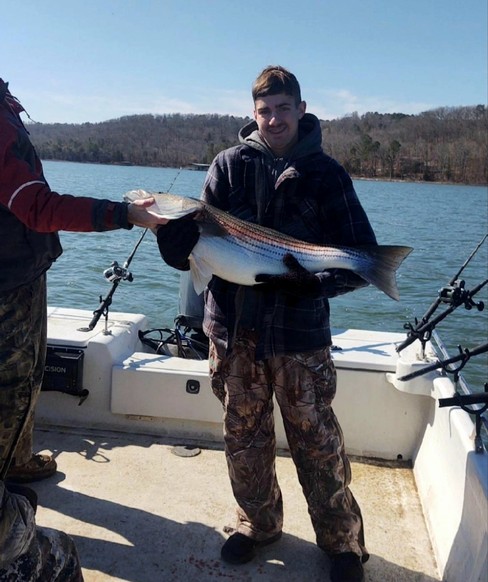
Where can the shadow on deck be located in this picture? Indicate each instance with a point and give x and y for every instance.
(139, 513)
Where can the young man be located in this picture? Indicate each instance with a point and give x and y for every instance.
(275, 338)
(30, 215)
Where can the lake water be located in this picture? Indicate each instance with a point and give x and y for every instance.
(443, 223)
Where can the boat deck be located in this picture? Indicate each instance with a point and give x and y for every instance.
(140, 513)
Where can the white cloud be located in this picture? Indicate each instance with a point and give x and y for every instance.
(332, 104)
(63, 107)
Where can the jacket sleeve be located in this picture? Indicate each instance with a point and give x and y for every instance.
(25, 192)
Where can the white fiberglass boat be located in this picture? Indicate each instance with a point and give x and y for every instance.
(142, 481)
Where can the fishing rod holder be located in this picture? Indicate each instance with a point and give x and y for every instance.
(465, 401)
(117, 273)
(446, 365)
(463, 358)
(453, 296)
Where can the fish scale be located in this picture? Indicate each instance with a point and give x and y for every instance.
(252, 232)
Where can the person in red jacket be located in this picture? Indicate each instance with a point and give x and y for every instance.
(30, 216)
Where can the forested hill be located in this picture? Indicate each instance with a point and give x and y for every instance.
(447, 144)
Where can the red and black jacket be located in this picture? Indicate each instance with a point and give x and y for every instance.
(30, 212)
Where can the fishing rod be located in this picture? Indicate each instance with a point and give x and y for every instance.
(453, 294)
(115, 274)
(452, 282)
(464, 356)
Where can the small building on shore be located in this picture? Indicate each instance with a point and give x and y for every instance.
(199, 167)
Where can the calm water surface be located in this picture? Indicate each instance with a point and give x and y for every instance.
(443, 224)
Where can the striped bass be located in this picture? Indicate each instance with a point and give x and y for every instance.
(237, 250)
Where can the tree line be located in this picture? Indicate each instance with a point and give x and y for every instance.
(447, 144)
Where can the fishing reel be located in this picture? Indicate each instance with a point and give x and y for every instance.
(456, 295)
(453, 295)
(117, 273)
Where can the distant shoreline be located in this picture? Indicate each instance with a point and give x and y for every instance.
(353, 177)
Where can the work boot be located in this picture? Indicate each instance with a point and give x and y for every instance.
(239, 549)
(39, 467)
(346, 567)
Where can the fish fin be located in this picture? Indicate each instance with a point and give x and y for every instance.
(201, 273)
(213, 226)
(213, 229)
(136, 195)
(381, 269)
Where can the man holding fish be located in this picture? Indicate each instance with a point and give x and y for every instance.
(273, 337)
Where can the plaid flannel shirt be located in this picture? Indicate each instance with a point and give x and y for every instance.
(308, 196)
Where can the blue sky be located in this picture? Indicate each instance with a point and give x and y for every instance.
(73, 61)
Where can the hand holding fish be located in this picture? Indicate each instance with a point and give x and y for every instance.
(139, 216)
(297, 281)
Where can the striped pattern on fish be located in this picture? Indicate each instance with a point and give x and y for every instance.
(237, 250)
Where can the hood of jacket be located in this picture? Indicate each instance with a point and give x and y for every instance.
(9, 99)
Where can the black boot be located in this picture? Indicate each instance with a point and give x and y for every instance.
(239, 549)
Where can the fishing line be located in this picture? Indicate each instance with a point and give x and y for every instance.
(174, 180)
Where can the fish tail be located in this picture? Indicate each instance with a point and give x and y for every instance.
(381, 266)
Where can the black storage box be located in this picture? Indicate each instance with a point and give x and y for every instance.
(64, 370)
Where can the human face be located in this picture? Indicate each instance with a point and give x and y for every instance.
(277, 117)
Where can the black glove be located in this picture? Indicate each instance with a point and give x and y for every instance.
(298, 281)
(176, 240)
(340, 281)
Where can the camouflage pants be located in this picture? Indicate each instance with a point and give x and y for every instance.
(51, 557)
(304, 386)
(23, 331)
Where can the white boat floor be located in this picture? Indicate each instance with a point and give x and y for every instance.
(140, 513)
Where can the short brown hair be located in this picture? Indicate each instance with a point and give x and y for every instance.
(274, 80)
